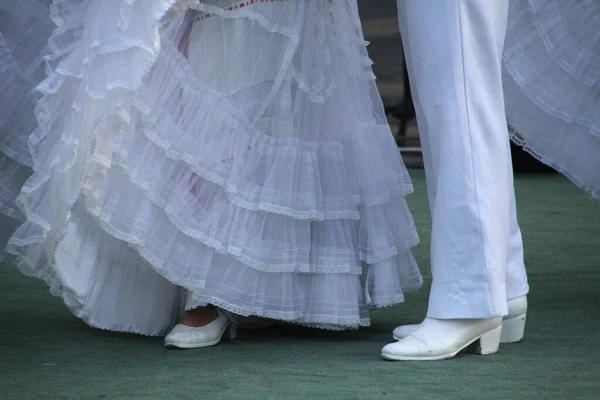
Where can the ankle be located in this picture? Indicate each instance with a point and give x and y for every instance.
(200, 316)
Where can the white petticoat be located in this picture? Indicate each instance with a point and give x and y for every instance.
(237, 151)
(552, 85)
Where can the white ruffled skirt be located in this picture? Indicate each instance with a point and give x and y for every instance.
(552, 85)
(176, 154)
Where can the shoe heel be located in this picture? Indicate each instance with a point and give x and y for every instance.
(232, 323)
(513, 329)
(233, 330)
(488, 343)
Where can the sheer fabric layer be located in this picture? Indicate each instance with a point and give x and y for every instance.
(240, 155)
(25, 28)
(552, 85)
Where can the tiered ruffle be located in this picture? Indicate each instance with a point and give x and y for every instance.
(267, 187)
(552, 85)
(23, 43)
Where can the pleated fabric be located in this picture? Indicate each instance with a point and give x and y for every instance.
(24, 32)
(552, 85)
(183, 153)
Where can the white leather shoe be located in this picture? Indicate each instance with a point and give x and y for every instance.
(513, 324)
(440, 339)
(189, 337)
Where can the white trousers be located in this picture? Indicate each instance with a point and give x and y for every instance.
(453, 50)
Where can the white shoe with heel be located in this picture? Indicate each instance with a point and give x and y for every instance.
(513, 324)
(440, 339)
(189, 337)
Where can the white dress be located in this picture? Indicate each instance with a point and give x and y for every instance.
(552, 85)
(226, 152)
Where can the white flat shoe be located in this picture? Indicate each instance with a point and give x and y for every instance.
(189, 337)
(440, 339)
(513, 324)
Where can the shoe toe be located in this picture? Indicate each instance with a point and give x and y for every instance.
(182, 334)
(403, 331)
(407, 347)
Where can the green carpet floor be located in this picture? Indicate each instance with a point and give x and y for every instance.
(46, 353)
